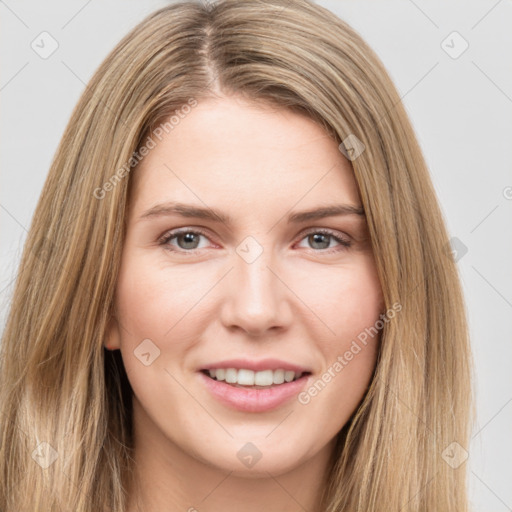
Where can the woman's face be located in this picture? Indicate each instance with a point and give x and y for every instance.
(265, 294)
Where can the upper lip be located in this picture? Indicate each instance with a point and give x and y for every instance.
(262, 364)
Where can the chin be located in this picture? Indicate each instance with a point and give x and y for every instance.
(258, 457)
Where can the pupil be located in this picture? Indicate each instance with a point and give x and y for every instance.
(188, 238)
(317, 238)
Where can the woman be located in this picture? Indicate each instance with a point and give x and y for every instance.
(236, 292)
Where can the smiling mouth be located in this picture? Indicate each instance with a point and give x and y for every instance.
(244, 378)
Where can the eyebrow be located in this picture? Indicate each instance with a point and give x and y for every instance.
(185, 210)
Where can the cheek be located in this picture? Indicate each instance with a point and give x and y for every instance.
(349, 356)
(151, 301)
(349, 301)
(352, 302)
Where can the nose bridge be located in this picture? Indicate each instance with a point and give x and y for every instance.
(257, 300)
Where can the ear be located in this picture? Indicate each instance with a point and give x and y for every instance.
(113, 334)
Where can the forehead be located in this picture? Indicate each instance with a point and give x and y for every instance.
(244, 155)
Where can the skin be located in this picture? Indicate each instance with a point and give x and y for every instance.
(301, 300)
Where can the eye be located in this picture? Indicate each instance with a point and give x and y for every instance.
(320, 240)
(187, 240)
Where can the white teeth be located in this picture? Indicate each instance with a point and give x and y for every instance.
(231, 375)
(278, 377)
(244, 377)
(288, 376)
(264, 378)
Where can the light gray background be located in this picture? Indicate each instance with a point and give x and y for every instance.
(460, 108)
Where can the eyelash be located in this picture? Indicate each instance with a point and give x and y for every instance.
(167, 237)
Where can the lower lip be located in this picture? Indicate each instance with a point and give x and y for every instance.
(254, 400)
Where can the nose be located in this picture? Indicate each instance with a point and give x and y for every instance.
(256, 300)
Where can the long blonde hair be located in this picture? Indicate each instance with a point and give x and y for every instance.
(65, 403)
